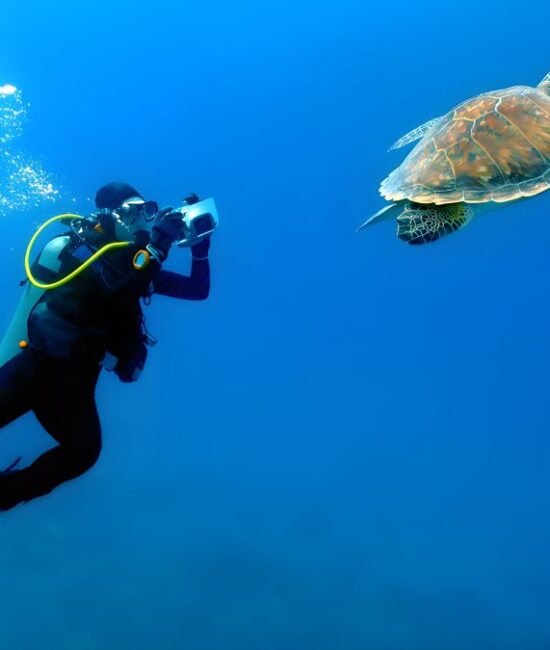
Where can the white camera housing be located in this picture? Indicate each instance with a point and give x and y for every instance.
(199, 221)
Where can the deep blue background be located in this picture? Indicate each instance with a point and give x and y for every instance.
(347, 445)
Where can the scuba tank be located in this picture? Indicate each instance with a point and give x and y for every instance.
(17, 336)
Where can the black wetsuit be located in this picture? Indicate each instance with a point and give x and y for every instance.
(60, 390)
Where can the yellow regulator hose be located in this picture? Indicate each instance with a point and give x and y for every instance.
(82, 267)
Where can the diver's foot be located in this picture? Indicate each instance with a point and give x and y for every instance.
(8, 495)
(8, 503)
(11, 468)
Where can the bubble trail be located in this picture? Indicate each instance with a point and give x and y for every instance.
(24, 183)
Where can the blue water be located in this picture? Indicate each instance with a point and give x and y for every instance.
(346, 447)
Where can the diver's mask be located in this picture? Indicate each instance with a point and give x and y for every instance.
(133, 216)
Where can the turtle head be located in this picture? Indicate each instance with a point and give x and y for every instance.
(545, 84)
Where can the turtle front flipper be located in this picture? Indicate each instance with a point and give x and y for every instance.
(415, 134)
(545, 84)
(382, 215)
(421, 224)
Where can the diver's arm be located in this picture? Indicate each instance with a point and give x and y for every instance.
(189, 287)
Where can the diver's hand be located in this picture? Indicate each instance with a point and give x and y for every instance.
(167, 229)
(200, 251)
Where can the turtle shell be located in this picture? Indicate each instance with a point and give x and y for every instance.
(495, 147)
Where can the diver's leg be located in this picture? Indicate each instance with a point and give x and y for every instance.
(64, 403)
(15, 386)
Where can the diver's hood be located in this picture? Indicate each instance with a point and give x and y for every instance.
(113, 195)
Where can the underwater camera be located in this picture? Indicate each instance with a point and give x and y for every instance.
(199, 219)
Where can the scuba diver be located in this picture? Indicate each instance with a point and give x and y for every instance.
(81, 312)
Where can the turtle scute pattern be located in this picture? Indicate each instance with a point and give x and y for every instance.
(495, 147)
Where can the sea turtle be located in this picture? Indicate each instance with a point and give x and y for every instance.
(491, 149)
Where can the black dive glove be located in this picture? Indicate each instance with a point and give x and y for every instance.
(200, 251)
(167, 229)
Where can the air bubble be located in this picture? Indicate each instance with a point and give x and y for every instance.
(24, 183)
